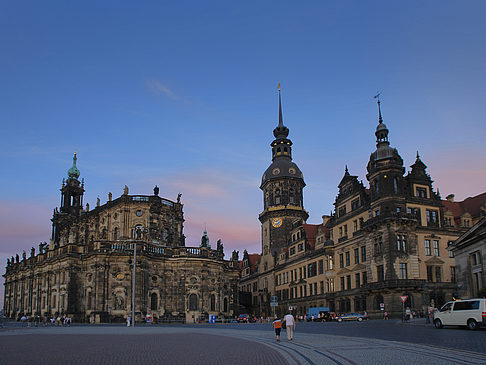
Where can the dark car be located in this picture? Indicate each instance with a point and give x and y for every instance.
(352, 317)
(243, 318)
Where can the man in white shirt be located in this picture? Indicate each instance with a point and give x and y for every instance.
(290, 326)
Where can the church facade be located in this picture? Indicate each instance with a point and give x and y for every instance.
(86, 270)
(381, 243)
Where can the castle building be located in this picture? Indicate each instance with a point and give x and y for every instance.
(383, 242)
(87, 268)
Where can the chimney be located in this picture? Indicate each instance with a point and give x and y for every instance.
(450, 197)
(325, 219)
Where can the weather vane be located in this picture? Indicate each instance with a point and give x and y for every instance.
(278, 86)
(377, 96)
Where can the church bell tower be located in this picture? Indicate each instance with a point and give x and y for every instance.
(282, 186)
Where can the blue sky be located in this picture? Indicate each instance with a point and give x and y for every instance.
(184, 96)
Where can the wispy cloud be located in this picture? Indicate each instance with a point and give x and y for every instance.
(157, 87)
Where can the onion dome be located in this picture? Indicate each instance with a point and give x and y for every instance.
(73, 172)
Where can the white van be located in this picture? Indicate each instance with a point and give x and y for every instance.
(470, 313)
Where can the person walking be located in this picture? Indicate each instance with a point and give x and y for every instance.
(289, 325)
(128, 321)
(277, 324)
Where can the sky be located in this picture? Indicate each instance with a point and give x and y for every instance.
(184, 95)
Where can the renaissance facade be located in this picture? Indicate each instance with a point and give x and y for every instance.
(381, 243)
(86, 270)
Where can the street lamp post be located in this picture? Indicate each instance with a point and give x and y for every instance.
(133, 282)
(426, 290)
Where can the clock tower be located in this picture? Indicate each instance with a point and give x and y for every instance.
(282, 186)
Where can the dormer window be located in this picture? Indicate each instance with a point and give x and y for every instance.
(421, 192)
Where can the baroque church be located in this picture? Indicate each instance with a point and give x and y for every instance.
(87, 268)
(384, 242)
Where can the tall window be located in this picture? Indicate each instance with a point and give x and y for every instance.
(330, 285)
(225, 304)
(341, 260)
(321, 267)
(192, 302)
(277, 196)
(355, 204)
(451, 253)
(212, 302)
(291, 196)
(430, 273)
(380, 273)
(432, 217)
(356, 255)
(342, 283)
(348, 258)
(153, 302)
(403, 271)
(427, 248)
(453, 273)
(348, 282)
(363, 253)
(401, 243)
(395, 185)
(436, 248)
(438, 274)
(364, 275)
(358, 284)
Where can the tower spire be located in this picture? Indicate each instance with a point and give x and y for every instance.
(377, 96)
(280, 117)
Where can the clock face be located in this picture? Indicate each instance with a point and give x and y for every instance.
(277, 222)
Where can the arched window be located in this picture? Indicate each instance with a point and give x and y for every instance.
(115, 233)
(90, 300)
(153, 302)
(291, 196)
(212, 303)
(192, 302)
(395, 185)
(277, 196)
(285, 150)
(225, 305)
(279, 151)
(137, 232)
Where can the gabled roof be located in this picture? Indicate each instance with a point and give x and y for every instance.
(254, 259)
(311, 233)
(472, 205)
(472, 235)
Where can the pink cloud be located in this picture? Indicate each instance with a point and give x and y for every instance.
(23, 225)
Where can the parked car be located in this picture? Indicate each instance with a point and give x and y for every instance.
(470, 313)
(352, 317)
(243, 318)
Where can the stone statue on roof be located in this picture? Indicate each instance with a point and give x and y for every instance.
(125, 190)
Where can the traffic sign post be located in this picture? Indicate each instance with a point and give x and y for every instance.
(403, 299)
(273, 303)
